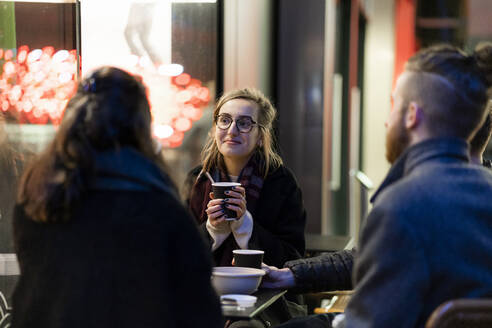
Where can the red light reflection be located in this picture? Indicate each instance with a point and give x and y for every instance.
(35, 86)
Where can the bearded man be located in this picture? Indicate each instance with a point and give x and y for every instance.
(428, 238)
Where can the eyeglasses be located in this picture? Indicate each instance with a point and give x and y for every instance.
(243, 123)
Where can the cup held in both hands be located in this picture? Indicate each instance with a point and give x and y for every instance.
(218, 188)
(250, 258)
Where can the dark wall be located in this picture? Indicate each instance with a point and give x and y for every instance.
(45, 24)
(299, 86)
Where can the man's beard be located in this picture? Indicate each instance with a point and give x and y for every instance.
(397, 141)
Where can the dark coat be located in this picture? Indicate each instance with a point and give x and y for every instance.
(279, 218)
(125, 259)
(428, 238)
(328, 271)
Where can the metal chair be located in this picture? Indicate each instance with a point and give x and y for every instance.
(461, 313)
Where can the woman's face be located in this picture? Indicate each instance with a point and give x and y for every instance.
(232, 143)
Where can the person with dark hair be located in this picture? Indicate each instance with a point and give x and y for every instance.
(428, 237)
(100, 234)
(269, 205)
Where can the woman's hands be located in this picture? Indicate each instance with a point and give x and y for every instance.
(236, 201)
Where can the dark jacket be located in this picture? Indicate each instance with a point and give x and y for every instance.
(326, 272)
(130, 256)
(279, 218)
(428, 238)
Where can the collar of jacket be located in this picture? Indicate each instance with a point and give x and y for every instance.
(441, 149)
(127, 169)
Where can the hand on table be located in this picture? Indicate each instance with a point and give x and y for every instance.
(277, 278)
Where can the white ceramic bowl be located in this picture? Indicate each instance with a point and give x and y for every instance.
(236, 280)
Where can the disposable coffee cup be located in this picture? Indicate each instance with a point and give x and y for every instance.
(218, 188)
(250, 258)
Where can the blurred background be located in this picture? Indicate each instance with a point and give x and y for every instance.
(328, 65)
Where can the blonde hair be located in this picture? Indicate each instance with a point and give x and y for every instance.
(211, 157)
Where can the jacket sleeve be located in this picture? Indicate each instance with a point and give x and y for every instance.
(280, 229)
(326, 272)
(391, 273)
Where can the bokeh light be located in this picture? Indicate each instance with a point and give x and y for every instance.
(35, 86)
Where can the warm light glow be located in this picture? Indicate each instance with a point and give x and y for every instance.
(61, 56)
(27, 106)
(144, 62)
(38, 84)
(22, 56)
(48, 51)
(193, 113)
(163, 131)
(176, 139)
(183, 79)
(171, 69)
(9, 68)
(9, 54)
(194, 1)
(182, 124)
(132, 60)
(16, 93)
(64, 77)
(183, 96)
(34, 55)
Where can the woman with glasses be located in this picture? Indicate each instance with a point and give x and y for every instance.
(270, 215)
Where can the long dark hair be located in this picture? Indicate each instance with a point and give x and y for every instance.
(110, 110)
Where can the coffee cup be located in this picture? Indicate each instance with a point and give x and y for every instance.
(218, 188)
(250, 258)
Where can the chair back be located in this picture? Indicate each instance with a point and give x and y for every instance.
(461, 313)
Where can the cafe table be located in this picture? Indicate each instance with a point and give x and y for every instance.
(265, 298)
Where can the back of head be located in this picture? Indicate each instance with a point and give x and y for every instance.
(110, 110)
(454, 86)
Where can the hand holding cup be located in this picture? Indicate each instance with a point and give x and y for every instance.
(231, 198)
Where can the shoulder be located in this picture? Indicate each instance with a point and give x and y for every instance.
(282, 174)
(282, 182)
(194, 172)
(434, 189)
